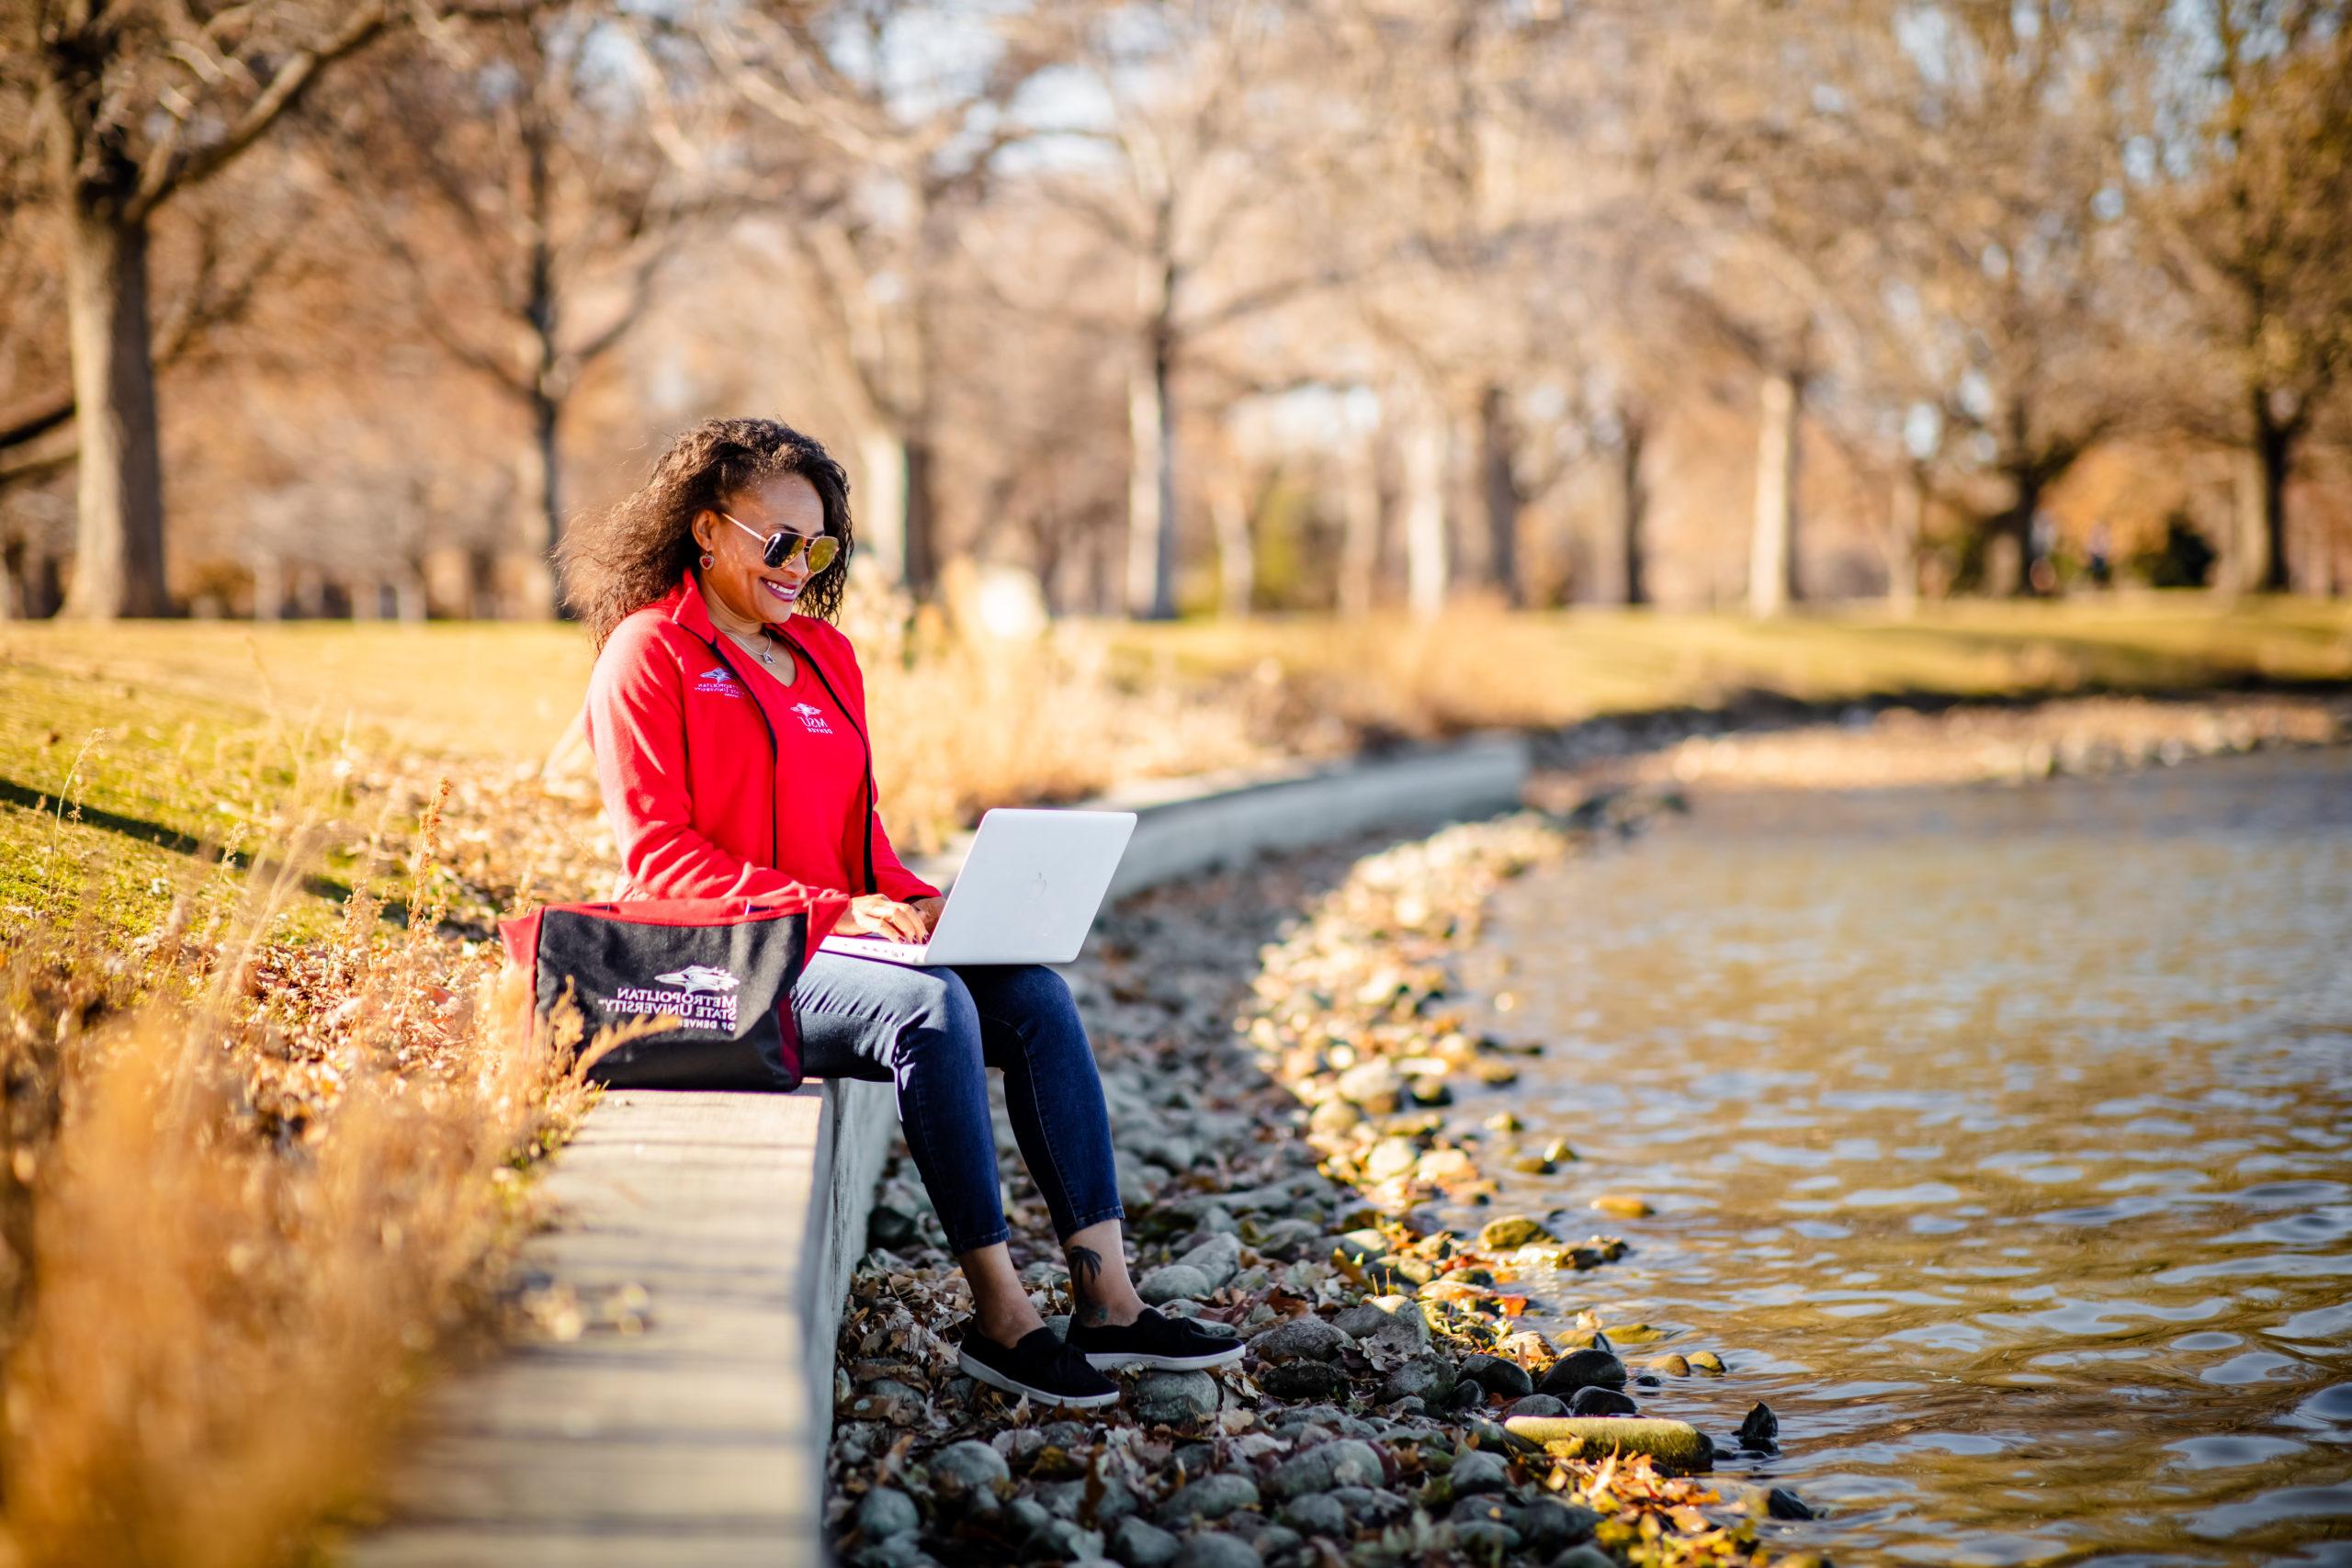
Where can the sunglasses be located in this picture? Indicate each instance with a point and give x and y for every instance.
(818, 549)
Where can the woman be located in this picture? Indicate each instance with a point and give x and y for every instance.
(728, 719)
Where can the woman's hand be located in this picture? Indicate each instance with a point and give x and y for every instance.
(878, 914)
(929, 909)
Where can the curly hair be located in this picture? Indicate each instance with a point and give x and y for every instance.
(632, 554)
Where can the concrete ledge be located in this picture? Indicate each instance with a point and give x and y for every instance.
(700, 1440)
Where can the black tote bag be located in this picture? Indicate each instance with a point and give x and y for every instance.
(722, 968)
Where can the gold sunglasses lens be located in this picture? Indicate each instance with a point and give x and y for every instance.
(822, 552)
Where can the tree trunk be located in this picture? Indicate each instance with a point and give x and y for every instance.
(2262, 564)
(1771, 556)
(1151, 481)
(530, 591)
(882, 511)
(1633, 508)
(2009, 552)
(1496, 440)
(1425, 561)
(1236, 561)
(1360, 546)
(1903, 542)
(119, 548)
(922, 518)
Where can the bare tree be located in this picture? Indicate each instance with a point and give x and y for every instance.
(514, 177)
(2256, 230)
(139, 102)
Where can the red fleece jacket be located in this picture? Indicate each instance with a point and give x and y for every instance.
(722, 781)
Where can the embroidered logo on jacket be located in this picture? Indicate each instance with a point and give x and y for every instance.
(812, 718)
(700, 977)
(719, 680)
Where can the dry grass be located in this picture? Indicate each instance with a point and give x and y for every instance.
(249, 1188)
(259, 1147)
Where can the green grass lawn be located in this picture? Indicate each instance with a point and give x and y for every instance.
(177, 740)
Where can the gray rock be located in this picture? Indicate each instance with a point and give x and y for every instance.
(1545, 1523)
(1304, 1380)
(1602, 1402)
(1370, 1505)
(1300, 1339)
(1498, 1376)
(1289, 1421)
(1388, 1320)
(886, 1511)
(1140, 1545)
(1276, 1540)
(1068, 1500)
(1583, 1369)
(1315, 1514)
(1173, 1281)
(963, 1469)
(1374, 1085)
(1365, 1243)
(1477, 1471)
(1425, 1378)
(1482, 1542)
(898, 1551)
(1212, 1549)
(1174, 1397)
(1029, 1517)
(1288, 1239)
(1585, 1556)
(1210, 1497)
(1343, 1462)
(1536, 1404)
(1484, 1508)
(1218, 1259)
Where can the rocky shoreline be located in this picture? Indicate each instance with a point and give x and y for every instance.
(1281, 1140)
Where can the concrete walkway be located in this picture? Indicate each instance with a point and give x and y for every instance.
(699, 1440)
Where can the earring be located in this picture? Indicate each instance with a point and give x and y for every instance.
(708, 561)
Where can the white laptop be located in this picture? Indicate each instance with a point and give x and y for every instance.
(1028, 892)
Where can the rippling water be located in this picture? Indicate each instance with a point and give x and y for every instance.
(1998, 1140)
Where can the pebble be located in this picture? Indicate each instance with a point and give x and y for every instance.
(1673, 1366)
(1424, 1378)
(1210, 1497)
(1343, 1462)
(1482, 1542)
(1212, 1549)
(1315, 1514)
(1173, 1281)
(1304, 1380)
(1173, 1396)
(1141, 1545)
(1511, 1231)
(886, 1511)
(1498, 1376)
(1372, 1086)
(1479, 1472)
(1598, 1401)
(1547, 1523)
(1585, 1556)
(1583, 1369)
(1782, 1504)
(1625, 1205)
(962, 1469)
(1218, 1258)
(1760, 1428)
(1301, 1338)
(1388, 1320)
(1706, 1361)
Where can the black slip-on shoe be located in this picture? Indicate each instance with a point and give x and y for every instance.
(1155, 1341)
(1041, 1365)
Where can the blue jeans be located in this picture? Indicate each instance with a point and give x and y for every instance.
(934, 1033)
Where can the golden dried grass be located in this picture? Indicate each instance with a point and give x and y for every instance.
(248, 1188)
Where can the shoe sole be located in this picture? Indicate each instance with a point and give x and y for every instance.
(980, 1372)
(1117, 1360)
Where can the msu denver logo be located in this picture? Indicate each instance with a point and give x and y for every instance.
(700, 977)
(812, 718)
(719, 681)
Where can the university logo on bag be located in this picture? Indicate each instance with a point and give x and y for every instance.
(701, 997)
(812, 718)
(719, 680)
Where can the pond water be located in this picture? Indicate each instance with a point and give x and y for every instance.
(1998, 1140)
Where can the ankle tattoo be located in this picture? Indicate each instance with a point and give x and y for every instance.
(1085, 1273)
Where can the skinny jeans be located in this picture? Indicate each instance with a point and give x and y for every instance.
(933, 1034)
